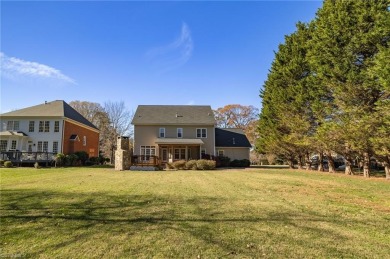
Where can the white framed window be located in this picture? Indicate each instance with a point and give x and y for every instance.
(56, 126)
(31, 126)
(203, 152)
(84, 140)
(41, 124)
(47, 126)
(43, 146)
(12, 125)
(201, 133)
(161, 133)
(3, 145)
(55, 146)
(13, 145)
(179, 132)
(221, 152)
(148, 151)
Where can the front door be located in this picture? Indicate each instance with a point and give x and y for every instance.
(164, 154)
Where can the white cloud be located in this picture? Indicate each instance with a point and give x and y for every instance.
(13, 67)
(173, 55)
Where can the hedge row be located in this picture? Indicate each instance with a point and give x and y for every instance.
(201, 164)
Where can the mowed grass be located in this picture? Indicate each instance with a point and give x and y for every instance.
(255, 213)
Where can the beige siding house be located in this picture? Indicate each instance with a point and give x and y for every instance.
(182, 132)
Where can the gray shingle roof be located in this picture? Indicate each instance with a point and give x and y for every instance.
(231, 138)
(56, 108)
(173, 114)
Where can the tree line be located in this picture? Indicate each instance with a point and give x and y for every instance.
(328, 89)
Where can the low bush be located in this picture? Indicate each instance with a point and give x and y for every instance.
(82, 156)
(222, 161)
(191, 165)
(240, 163)
(71, 160)
(179, 165)
(204, 164)
(60, 159)
(2, 162)
(169, 166)
(8, 164)
(37, 166)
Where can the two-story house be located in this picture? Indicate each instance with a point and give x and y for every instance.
(184, 132)
(49, 127)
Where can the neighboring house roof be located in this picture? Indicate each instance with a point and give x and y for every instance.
(174, 115)
(56, 108)
(182, 141)
(231, 138)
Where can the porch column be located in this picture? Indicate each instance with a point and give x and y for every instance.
(186, 156)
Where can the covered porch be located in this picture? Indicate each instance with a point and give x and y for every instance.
(15, 141)
(174, 149)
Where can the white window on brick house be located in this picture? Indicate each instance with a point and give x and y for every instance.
(84, 140)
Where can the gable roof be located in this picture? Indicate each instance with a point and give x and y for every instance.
(174, 114)
(231, 138)
(58, 108)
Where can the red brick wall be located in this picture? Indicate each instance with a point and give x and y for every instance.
(92, 146)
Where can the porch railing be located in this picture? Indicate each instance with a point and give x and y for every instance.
(142, 160)
(27, 157)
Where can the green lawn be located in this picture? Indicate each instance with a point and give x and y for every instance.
(260, 213)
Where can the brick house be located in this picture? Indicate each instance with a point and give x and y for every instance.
(51, 127)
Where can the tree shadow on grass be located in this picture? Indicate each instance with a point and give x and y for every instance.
(63, 218)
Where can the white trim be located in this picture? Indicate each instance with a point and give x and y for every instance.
(201, 132)
(159, 133)
(80, 124)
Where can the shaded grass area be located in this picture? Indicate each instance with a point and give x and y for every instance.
(95, 212)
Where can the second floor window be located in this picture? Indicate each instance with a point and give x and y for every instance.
(12, 125)
(84, 140)
(31, 126)
(161, 133)
(179, 132)
(44, 126)
(56, 126)
(201, 133)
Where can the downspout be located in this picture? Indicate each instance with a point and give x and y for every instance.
(63, 135)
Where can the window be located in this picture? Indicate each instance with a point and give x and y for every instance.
(220, 153)
(3, 145)
(84, 140)
(161, 133)
(179, 132)
(203, 152)
(180, 153)
(47, 126)
(40, 126)
(12, 125)
(148, 151)
(13, 145)
(201, 133)
(55, 146)
(56, 126)
(43, 146)
(31, 126)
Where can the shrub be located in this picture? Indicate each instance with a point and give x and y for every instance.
(169, 166)
(223, 161)
(179, 165)
(8, 164)
(205, 164)
(60, 159)
(191, 165)
(71, 159)
(2, 162)
(82, 156)
(240, 163)
(36, 165)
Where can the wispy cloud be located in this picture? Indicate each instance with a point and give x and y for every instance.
(13, 67)
(192, 102)
(173, 55)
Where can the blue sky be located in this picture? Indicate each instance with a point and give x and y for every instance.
(214, 53)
